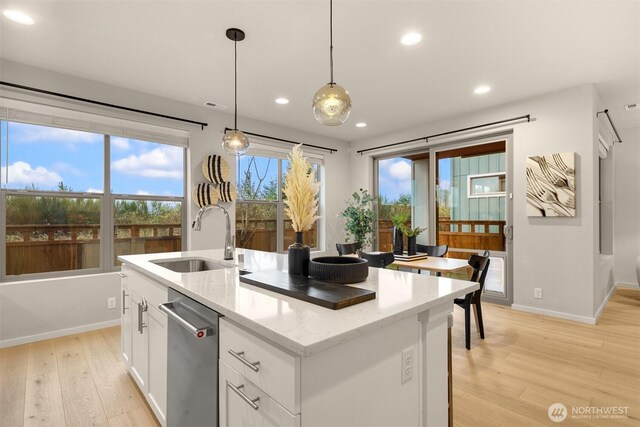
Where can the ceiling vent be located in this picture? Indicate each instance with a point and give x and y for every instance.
(216, 105)
(632, 107)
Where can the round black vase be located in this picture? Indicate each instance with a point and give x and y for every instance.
(411, 245)
(299, 256)
(398, 241)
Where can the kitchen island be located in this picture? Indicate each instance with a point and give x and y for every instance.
(378, 363)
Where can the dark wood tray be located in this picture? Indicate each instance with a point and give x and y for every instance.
(313, 291)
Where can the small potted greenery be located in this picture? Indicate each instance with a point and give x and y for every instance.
(411, 234)
(359, 216)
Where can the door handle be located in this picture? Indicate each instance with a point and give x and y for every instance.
(142, 307)
(507, 230)
(251, 402)
(254, 366)
(169, 309)
(124, 294)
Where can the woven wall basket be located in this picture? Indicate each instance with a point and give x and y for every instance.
(227, 192)
(205, 194)
(215, 169)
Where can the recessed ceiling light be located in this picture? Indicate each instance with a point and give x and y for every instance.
(361, 125)
(282, 101)
(481, 89)
(17, 16)
(410, 39)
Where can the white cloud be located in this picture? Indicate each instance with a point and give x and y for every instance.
(120, 143)
(142, 193)
(31, 133)
(22, 173)
(93, 190)
(161, 162)
(400, 170)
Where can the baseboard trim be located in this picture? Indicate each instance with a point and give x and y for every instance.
(604, 303)
(559, 314)
(625, 285)
(59, 333)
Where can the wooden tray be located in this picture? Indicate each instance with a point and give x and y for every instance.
(313, 291)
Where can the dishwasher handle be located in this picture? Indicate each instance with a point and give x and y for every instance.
(169, 310)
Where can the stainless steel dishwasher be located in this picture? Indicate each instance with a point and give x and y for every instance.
(192, 359)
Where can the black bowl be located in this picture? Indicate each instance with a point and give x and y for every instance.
(339, 269)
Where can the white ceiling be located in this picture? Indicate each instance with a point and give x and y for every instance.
(178, 50)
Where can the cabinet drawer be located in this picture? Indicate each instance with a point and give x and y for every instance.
(155, 293)
(243, 404)
(274, 370)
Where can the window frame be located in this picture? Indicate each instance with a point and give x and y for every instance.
(472, 195)
(280, 217)
(107, 220)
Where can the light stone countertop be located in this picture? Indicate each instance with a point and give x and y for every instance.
(301, 327)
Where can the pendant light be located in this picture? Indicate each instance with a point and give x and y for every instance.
(332, 103)
(235, 142)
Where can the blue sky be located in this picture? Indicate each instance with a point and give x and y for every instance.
(44, 156)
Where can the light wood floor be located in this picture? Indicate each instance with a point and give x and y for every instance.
(526, 363)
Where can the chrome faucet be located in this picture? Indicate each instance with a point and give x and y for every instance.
(229, 244)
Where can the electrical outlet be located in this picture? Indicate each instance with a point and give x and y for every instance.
(537, 293)
(111, 303)
(407, 364)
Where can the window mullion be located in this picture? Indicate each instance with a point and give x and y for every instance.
(280, 212)
(106, 212)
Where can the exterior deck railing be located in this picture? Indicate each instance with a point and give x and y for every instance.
(36, 248)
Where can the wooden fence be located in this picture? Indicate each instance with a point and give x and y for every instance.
(462, 234)
(261, 235)
(46, 248)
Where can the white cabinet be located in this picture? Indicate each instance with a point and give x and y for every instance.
(144, 338)
(258, 382)
(125, 322)
(242, 404)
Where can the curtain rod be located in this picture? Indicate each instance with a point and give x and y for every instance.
(103, 104)
(330, 150)
(606, 112)
(426, 138)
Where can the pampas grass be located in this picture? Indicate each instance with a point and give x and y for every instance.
(301, 191)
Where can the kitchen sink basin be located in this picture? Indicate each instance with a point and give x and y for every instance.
(191, 265)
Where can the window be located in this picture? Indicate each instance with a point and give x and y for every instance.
(261, 223)
(59, 219)
(486, 185)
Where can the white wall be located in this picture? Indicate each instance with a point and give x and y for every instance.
(556, 254)
(626, 158)
(53, 305)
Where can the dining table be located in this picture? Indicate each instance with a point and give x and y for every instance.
(435, 264)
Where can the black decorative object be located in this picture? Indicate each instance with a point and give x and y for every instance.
(299, 255)
(339, 269)
(398, 241)
(411, 246)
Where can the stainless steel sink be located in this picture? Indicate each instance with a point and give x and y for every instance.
(190, 265)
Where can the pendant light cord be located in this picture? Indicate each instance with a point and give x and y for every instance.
(235, 80)
(331, 39)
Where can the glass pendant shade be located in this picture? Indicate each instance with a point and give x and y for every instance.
(235, 143)
(331, 105)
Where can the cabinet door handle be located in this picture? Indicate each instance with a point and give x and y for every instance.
(124, 295)
(142, 307)
(240, 356)
(251, 402)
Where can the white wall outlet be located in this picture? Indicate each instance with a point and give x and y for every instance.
(408, 364)
(537, 293)
(111, 303)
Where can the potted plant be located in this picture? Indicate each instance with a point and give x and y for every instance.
(411, 234)
(301, 205)
(399, 220)
(359, 216)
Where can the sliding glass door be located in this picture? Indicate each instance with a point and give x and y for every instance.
(472, 208)
(461, 194)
